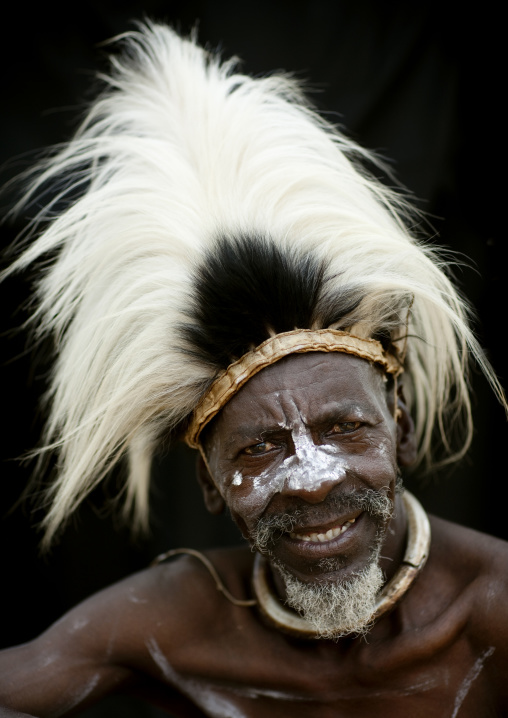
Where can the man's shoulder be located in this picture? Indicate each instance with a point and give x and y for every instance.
(179, 577)
(474, 566)
(193, 588)
(180, 596)
(182, 571)
(171, 606)
(462, 564)
(472, 553)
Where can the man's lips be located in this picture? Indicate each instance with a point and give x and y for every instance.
(323, 537)
(326, 532)
(300, 551)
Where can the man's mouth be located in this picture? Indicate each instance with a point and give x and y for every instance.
(341, 524)
(329, 535)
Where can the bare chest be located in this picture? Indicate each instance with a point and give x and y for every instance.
(304, 683)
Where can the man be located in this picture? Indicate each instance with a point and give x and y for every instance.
(224, 271)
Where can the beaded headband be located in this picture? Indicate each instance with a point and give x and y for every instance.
(298, 341)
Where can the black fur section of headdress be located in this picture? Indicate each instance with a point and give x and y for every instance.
(247, 288)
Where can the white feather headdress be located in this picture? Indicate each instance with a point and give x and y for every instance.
(178, 152)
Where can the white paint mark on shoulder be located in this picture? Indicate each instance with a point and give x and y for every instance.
(78, 624)
(48, 659)
(470, 677)
(88, 688)
(133, 598)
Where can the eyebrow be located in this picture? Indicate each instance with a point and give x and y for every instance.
(331, 412)
(249, 432)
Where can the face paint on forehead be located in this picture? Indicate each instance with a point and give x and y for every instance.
(308, 468)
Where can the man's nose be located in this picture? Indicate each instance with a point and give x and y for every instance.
(313, 491)
(311, 475)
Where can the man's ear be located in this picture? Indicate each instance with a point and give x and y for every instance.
(213, 500)
(406, 440)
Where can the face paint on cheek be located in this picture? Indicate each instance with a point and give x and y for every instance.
(257, 492)
(237, 479)
(386, 449)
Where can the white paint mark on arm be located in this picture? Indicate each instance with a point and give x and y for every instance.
(218, 706)
(198, 692)
(267, 693)
(471, 676)
(161, 661)
(79, 696)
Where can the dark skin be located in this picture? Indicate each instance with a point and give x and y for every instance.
(168, 635)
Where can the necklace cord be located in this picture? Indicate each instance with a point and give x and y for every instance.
(211, 568)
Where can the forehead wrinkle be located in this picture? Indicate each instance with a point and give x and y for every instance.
(347, 407)
(268, 407)
(292, 412)
(261, 419)
(332, 411)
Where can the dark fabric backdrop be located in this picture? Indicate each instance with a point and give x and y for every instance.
(417, 82)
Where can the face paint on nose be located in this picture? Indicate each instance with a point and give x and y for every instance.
(306, 470)
(311, 465)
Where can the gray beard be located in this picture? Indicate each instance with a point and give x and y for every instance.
(334, 609)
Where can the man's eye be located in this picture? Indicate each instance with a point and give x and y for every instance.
(257, 449)
(346, 427)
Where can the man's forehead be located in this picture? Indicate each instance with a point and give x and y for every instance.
(326, 384)
(310, 371)
(276, 348)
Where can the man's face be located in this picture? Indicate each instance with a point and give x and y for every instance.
(308, 446)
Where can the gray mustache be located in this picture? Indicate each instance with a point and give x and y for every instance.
(270, 528)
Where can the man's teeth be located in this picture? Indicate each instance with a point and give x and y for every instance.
(328, 536)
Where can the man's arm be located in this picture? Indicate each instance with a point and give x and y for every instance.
(97, 648)
(72, 664)
(106, 644)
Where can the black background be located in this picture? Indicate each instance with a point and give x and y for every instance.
(420, 84)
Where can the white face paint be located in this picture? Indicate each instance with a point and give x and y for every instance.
(308, 468)
(237, 479)
(133, 598)
(312, 465)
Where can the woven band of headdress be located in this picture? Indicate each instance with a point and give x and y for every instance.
(270, 351)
